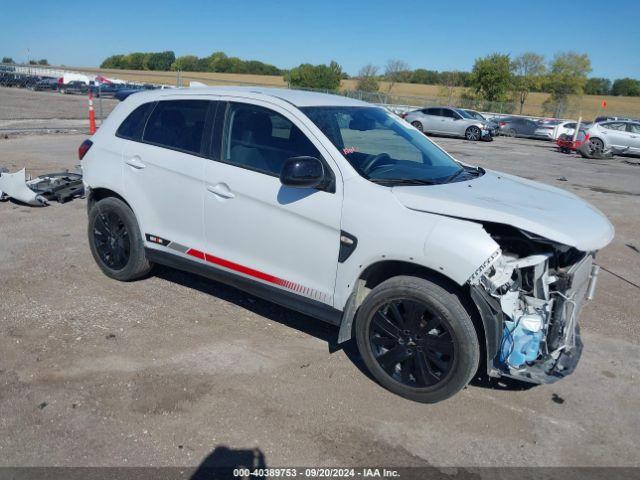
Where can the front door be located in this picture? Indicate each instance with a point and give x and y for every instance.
(256, 227)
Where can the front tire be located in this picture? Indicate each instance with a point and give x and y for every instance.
(115, 240)
(417, 339)
(473, 134)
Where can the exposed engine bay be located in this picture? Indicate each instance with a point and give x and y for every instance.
(535, 289)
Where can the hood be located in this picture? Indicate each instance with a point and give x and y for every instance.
(546, 211)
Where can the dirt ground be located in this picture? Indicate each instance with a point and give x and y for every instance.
(25, 110)
(165, 370)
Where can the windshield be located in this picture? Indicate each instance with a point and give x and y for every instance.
(382, 147)
(466, 114)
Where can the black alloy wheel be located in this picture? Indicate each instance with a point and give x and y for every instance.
(411, 343)
(111, 240)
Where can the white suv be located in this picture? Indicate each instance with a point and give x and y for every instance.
(340, 210)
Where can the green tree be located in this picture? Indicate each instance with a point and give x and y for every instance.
(528, 70)
(159, 60)
(423, 76)
(627, 87)
(114, 61)
(491, 77)
(8, 60)
(597, 86)
(43, 61)
(186, 63)
(368, 79)
(326, 77)
(568, 76)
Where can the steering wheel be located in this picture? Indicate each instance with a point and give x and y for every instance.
(368, 166)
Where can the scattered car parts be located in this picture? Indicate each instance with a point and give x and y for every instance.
(61, 187)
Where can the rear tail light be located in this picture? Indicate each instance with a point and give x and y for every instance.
(84, 148)
(502, 124)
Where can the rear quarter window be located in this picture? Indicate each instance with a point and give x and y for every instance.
(133, 126)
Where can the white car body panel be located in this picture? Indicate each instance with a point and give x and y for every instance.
(540, 209)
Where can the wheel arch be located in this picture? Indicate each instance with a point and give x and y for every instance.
(99, 193)
(378, 272)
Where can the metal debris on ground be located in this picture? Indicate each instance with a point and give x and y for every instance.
(62, 187)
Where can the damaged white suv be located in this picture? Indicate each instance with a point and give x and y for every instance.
(342, 211)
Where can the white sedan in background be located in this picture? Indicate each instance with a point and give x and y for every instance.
(563, 128)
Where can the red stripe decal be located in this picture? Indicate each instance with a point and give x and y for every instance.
(242, 269)
(251, 272)
(195, 253)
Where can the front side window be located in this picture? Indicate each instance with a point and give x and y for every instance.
(633, 127)
(447, 112)
(382, 148)
(260, 139)
(177, 124)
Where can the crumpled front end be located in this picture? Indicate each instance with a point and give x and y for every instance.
(533, 290)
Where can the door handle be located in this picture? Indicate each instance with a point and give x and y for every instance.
(135, 162)
(221, 190)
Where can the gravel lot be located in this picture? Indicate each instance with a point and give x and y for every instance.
(164, 370)
(23, 109)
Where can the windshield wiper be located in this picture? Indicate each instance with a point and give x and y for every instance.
(462, 170)
(403, 181)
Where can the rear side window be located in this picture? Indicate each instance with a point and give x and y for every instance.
(177, 124)
(133, 125)
(434, 111)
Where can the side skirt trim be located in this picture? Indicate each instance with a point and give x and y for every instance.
(295, 302)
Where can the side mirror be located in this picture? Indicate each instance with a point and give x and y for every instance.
(302, 172)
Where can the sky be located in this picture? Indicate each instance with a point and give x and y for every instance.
(433, 35)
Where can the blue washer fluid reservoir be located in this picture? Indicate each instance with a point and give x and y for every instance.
(521, 340)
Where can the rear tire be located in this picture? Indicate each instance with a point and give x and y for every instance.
(596, 145)
(115, 240)
(417, 339)
(418, 125)
(511, 133)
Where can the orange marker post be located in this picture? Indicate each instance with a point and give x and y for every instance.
(92, 114)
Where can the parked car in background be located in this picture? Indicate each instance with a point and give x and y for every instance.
(75, 86)
(518, 127)
(46, 84)
(450, 121)
(340, 210)
(620, 136)
(491, 123)
(566, 128)
(545, 129)
(105, 90)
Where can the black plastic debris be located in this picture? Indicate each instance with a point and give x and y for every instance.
(61, 187)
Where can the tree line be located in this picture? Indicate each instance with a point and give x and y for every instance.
(216, 62)
(500, 78)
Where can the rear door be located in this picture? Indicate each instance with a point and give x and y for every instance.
(433, 120)
(254, 226)
(164, 172)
